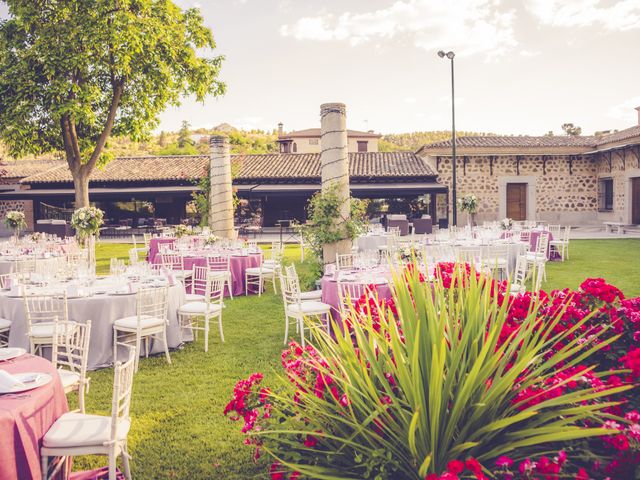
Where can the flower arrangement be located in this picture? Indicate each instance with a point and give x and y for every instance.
(506, 223)
(211, 240)
(15, 220)
(182, 230)
(468, 203)
(410, 254)
(501, 380)
(38, 237)
(86, 221)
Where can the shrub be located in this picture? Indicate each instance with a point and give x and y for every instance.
(451, 371)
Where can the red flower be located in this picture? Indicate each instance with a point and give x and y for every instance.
(473, 465)
(455, 466)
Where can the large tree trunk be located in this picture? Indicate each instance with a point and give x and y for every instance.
(81, 186)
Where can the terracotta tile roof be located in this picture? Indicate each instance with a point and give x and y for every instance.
(249, 167)
(315, 132)
(522, 141)
(619, 136)
(23, 168)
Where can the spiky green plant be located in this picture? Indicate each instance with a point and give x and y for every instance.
(433, 385)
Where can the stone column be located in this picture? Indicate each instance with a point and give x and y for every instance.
(334, 158)
(221, 194)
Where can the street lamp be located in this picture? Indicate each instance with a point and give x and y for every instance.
(450, 56)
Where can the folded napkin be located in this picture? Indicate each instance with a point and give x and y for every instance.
(8, 381)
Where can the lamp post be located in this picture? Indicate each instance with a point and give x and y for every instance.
(450, 55)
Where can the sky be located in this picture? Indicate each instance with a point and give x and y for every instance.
(520, 67)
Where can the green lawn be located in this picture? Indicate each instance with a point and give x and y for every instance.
(178, 429)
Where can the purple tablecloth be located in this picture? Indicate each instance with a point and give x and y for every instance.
(154, 246)
(25, 418)
(330, 294)
(238, 264)
(533, 241)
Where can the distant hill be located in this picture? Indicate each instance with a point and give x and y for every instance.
(242, 141)
(413, 141)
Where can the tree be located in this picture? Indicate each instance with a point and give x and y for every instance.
(162, 139)
(73, 73)
(571, 129)
(183, 135)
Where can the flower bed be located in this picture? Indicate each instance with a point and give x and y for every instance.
(457, 379)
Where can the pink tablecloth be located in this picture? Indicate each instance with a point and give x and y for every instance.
(26, 417)
(533, 242)
(154, 246)
(330, 294)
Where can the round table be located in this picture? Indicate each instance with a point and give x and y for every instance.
(26, 417)
(331, 297)
(102, 310)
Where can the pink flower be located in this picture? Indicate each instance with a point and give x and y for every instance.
(504, 462)
(455, 466)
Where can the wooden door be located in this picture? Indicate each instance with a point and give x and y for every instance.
(635, 201)
(517, 201)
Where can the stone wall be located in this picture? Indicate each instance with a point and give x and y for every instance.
(565, 186)
(621, 166)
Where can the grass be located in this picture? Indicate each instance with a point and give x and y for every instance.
(178, 429)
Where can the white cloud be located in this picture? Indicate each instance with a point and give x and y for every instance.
(618, 15)
(249, 123)
(530, 53)
(625, 111)
(410, 100)
(466, 26)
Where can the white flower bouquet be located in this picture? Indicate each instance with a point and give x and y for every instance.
(15, 220)
(182, 230)
(409, 254)
(506, 223)
(87, 221)
(211, 240)
(468, 203)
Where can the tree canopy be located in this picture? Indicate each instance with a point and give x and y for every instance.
(73, 73)
(571, 129)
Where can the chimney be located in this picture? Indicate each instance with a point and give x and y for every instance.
(638, 110)
(221, 194)
(280, 129)
(334, 158)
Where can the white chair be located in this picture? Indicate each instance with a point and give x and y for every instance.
(42, 312)
(554, 230)
(117, 266)
(276, 255)
(140, 250)
(256, 276)
(538, 258)
(345, 261)
(471, 255)
(210, 306)
(24, 267)
(291, 271)
(560, 244)
(147, 240)
(81, 434)
(5, 325)
(198, 284)
(297, 310)
(525, 237)
(134, 259)
(518, 282)
(496, 259)
(349, 293)
(69, 355)
(175, 261)
(149, 321)
(220, 265)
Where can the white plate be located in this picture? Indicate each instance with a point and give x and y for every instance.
(9, 353)
(31, 380)
(122, 293)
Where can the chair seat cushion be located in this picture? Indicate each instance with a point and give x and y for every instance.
(311, 295)
(146, 321)
(80, 430)
(68, 378)
(310, 307)
(45, 329)
(199, 307)
(4, 323)
(259, 271)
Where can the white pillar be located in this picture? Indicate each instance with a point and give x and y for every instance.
(221, 194)
(335, 167)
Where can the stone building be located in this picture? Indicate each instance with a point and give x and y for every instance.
(308, 141)
(578, 180)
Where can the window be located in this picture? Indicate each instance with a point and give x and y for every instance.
(605, 194)
(313, 141)
(363, 146)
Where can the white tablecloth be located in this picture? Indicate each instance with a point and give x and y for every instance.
(102, 310)
(372, 242)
